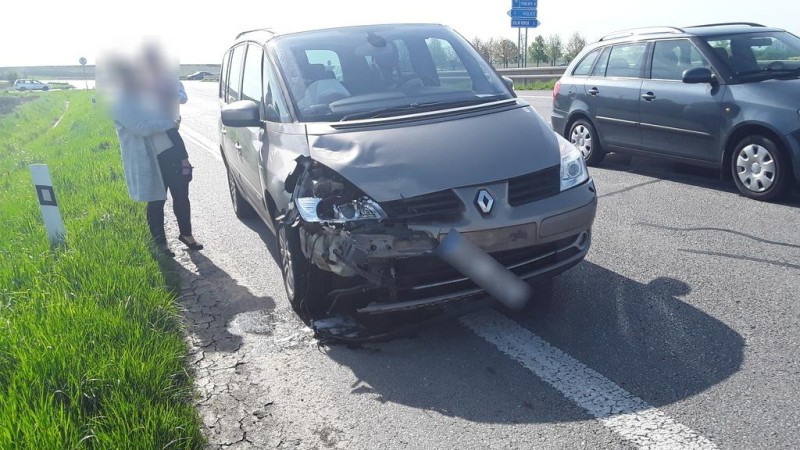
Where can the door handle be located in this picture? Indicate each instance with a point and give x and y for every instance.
(594, 91)
(649, 96)
(224, 131)
(238, 147)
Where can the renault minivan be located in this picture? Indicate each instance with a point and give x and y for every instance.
(362, 147)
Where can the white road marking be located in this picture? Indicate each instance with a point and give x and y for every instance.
(207, 144)
(625, 414)
(548, 97)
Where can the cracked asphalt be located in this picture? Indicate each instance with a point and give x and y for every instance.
(687, 304)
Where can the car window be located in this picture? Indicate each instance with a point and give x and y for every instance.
(388, 71)
(235, 75)
(758, 52)
(274, 96)
(602, 64)
(252, 84)
(328, 59)
(671, 58)
(223, 77)
(626, 60)
(583, 67)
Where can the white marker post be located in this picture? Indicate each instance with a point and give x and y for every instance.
(48, 203)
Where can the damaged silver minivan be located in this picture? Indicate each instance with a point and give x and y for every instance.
(363, 147)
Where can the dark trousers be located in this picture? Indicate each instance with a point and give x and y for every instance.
(177, 186)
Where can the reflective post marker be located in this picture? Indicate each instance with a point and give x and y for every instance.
(48, 203)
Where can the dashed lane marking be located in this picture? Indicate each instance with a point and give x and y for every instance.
(625, 414)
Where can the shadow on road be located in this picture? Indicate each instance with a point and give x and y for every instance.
(641, 336)
(211, 298)
(691, 176)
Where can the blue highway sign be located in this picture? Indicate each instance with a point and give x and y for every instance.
(517, 13)
(524, 3)
(524, 23)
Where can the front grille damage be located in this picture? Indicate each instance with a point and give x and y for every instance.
(390, 264)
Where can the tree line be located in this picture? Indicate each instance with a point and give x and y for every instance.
(549, 50)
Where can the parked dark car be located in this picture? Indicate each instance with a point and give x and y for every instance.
(723, 95)
(360, 170)
(201, 76)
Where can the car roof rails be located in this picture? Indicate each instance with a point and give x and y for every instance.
(721, 24)
(265, 30)
(641, 31)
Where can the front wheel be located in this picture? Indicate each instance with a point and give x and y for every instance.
(584, 136)
(761, 169)
(46, 88)
(306, 285)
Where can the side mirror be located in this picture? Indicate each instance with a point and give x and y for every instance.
(244, 113)
(698, 75)
(509, 83)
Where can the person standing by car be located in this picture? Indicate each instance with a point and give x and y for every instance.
(167, 93)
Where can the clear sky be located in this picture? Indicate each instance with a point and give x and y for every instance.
(53, 32)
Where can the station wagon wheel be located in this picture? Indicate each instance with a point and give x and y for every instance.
(306, 285)
(760, 168)
(241, 208)
(584, 136)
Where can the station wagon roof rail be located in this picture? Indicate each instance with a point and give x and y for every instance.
(721, 24)
(641, 31)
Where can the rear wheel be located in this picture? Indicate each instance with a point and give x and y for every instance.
(46, 88)
(241, 208)
(584, 136)
(306, 285)
(761, 169)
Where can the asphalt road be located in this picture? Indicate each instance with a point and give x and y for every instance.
(679, 330)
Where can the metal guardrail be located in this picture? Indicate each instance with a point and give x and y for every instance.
(531, 74)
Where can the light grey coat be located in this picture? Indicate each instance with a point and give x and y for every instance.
(134, 125)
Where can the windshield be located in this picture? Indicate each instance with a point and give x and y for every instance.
(759, 55)
(365, 72)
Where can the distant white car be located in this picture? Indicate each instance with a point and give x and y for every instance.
(31, 85)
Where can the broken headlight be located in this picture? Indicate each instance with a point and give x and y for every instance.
(573, 167)
(322, 195)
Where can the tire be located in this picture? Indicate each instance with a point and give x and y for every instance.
(306, 285)
(46, 88)
(241, 207)
(583, 134)
(761, 168)
(22, 89)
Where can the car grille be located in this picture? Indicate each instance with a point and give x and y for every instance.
(439, 204)
(534, 186)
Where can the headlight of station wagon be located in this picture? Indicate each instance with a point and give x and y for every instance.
(573, 167)
(323, 196)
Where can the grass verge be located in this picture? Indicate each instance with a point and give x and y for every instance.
(536, 86)
(91, 348)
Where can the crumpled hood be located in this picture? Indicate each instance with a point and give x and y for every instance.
(390, 162)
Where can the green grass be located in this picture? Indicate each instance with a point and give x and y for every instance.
(91, 348)
(536, 86)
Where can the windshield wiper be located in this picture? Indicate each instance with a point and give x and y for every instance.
(416, 106)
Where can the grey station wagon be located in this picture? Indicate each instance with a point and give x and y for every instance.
(725, 96)
(361, 148)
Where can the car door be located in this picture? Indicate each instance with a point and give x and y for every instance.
(232, 94)
(680, 119)
(613, 95)
(249, 140)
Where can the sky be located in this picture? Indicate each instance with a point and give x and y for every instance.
(199, 31)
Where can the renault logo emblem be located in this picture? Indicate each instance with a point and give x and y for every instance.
(484, 201)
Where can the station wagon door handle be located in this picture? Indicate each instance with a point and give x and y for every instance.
(238, 147)
(649, 96)
(224, 131)
(594, 91)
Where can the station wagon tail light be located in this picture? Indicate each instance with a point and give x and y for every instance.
(556, 90)
(573, 167)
